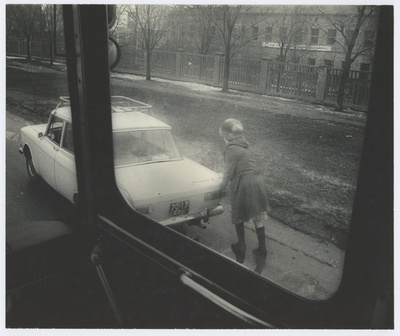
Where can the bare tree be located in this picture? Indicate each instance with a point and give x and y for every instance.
(192, 30)
(202, 28)
(26, 17)
(290, 24)
(350, 22)
(153, 23)
(48, 16)
(229, 22)
(121, 10)
(10, 23)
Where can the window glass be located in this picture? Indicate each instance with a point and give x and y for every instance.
(365, 66)
(55, 129)
(309, 166)
(144, 146)
(311, 61)
(368, 38)
(314, 36)
(68, 143)
(268, 34)
(307, 154)
(331, 37)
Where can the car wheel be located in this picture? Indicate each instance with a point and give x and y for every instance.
(33, 176)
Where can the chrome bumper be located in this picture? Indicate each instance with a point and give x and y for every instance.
(204, 215)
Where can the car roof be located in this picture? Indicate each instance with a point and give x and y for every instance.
(122, 120)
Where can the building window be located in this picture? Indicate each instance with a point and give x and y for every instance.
(254, 33)
(368, 38)
(310, 61)
(314, 36)
(282, 33)
(268, 34)
(365, 66)
(296, 59)
(298, 37)
(328, 63)
(331, 37)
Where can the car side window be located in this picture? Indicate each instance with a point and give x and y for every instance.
(68, 143)
(55, 130)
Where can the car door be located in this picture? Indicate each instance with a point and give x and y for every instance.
(65, 171)
(50, 145)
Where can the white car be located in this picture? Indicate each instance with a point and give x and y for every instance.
(151, 174)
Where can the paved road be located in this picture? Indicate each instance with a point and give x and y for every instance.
(27, 201)
(296, 261)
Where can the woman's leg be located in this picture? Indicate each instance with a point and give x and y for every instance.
(261, 250)
(239, 248)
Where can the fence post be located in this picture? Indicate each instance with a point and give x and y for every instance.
(217, 65)
(178, 62)
(321, 83)
(262, 88)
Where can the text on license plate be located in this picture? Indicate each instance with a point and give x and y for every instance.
(179, 208)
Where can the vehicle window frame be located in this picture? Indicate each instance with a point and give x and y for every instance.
(157, 243)
(48, 129)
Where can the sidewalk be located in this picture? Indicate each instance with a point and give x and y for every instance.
(308, 266)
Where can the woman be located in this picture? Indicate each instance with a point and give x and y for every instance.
(248, 196)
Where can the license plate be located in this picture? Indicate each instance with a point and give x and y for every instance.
(179, 208)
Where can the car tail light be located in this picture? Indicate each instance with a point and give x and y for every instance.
(146, 209)
(212, 195)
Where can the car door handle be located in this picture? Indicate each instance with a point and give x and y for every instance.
(186, 280)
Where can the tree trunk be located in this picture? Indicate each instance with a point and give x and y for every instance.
(148, 65)
(280, 69)
(28, 48)
(342, 84)
(52, 51)
(227, 64)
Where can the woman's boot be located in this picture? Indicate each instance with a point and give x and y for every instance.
(261, 250)
(239, 248)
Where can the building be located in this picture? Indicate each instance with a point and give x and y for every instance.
(311, 35)
(317, 35)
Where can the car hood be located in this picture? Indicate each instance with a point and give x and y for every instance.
(158, 181)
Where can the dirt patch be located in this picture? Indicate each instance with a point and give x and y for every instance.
(308, 153)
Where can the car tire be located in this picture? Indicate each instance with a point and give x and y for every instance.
(30, 167)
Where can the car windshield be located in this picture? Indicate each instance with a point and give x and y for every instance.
(144, 146)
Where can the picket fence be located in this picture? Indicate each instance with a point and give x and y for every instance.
(312, 83)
